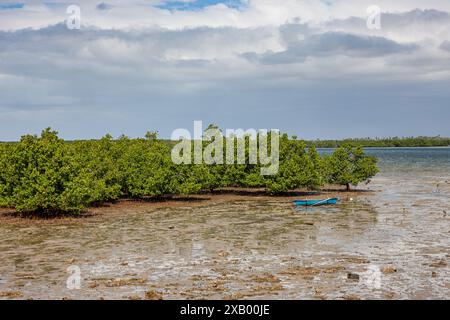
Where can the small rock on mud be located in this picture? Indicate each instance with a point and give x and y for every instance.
(353, 276)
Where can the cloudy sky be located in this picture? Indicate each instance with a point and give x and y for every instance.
(308, 67)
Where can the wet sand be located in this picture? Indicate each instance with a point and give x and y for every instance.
(124, 206)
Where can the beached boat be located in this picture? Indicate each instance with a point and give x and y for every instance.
(307, 203)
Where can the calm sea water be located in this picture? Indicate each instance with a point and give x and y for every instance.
(394, 243)
(423, 158)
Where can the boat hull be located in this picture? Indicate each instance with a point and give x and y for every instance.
(319, 202)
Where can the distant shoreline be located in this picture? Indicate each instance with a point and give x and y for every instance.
(395, 142)
(431, 147)
(392, 142)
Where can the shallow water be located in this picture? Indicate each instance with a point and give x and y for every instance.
(396, 241)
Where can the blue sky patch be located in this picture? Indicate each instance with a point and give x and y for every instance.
(11, 5)
(198, 4)
(52, 4)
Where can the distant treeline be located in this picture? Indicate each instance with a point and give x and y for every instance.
(391, 142)
(44, 174)
(395, 142)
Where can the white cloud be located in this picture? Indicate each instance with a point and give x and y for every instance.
(254, 13)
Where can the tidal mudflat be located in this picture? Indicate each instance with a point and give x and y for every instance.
(390, 243)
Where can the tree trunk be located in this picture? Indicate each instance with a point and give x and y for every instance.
(348, 186)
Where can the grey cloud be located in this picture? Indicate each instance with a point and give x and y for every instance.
(335, 43)
(416, 25)
(396, 20)
(62, 68)
(293, 32)
(103, 6)
(90, 81)
(430, 16)
(157, 40)
(445, 46)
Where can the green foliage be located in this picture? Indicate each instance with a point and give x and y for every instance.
(45, 174)
(189, 179)
(39, 174)
(297, 168)
(96, 161)
(5, 187)
(349, 165)
(146, 168)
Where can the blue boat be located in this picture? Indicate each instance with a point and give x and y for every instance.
(307, 203)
